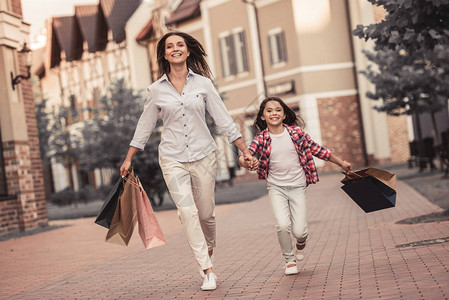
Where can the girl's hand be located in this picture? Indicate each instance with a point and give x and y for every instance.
(124, 168)
(248, 162)
(346, 166)
(252, 162)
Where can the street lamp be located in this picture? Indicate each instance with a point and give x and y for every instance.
(27, 52)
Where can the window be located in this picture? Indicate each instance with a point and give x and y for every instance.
(278, 49)
(233, 53)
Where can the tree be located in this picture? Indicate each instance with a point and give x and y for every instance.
(107, 135)
(411, 66)
(44, 121)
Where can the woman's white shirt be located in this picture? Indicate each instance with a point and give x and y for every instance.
(185, 136)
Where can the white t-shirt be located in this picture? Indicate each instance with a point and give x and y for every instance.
(285, 168)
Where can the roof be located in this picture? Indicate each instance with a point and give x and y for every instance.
(68, 36)
(117, 13)
(92, 26)
(188, 9)
(146, 32)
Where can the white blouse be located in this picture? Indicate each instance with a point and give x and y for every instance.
(185, 136)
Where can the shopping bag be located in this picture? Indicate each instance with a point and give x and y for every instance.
(149, 230)
(104, 217)
(372, 189)
(125, 215)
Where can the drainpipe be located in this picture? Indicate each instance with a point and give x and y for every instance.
(356, 83)
(253, 3)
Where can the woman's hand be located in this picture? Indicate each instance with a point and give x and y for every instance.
(125, 167)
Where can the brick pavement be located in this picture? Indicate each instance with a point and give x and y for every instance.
(351, 255)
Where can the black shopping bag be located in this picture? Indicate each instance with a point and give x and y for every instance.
(107, 211)
(372, 189)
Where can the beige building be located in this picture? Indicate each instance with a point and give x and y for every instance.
(22, 196)
(299, 50)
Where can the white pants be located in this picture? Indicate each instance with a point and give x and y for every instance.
(192, 188)
(289, 209)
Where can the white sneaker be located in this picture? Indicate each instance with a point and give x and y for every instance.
(210, 282)
(291, 268)
(300, 253)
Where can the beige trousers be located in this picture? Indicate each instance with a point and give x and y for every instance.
(192, 188)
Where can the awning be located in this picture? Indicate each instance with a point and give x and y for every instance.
(188, 9)
(146, 32)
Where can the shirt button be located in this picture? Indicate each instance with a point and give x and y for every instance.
(185, 125)
(183, 93)
(187, 146)
(186, 135)
(182, 103)
(183, 115)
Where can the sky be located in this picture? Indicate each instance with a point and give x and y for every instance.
(36, 12)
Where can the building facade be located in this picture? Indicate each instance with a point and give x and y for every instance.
(22, 196)
(303, 52)
(84, 54)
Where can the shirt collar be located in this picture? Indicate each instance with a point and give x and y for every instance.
(189, 74)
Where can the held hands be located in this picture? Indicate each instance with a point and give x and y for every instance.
(249, 162)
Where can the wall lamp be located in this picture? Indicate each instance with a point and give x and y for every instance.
(16, 80)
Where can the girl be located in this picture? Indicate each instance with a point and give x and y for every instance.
(187, 158)
(285, 158)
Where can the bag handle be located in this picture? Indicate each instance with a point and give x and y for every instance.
(351, 174)
(130, 181)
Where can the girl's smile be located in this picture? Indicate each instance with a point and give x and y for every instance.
(273, 114)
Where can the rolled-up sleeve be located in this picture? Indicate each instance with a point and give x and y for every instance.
(221, 116)
(146, 124)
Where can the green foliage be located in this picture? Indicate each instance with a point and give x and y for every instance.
(65, 139)
(107, 135)
(411, 66)
(43, 120)
(64, 197)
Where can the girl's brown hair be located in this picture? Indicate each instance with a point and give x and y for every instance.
(196, 60)
(290, 116)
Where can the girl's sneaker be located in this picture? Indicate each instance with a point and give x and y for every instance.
(291, 268)
(300, 250)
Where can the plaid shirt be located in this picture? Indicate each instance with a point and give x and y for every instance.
(305, 147)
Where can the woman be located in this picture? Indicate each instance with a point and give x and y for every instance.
(182, 94)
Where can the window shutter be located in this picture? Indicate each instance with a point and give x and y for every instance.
(231, 56)
(243, 49)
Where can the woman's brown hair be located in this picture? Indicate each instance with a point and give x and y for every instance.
(196, 61)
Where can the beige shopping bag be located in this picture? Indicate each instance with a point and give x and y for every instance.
(125, 215)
